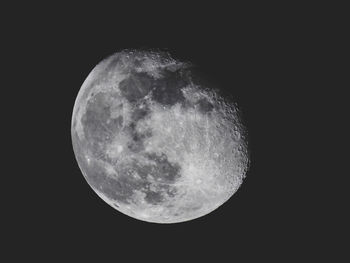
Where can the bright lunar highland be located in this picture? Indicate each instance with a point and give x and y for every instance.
(154, 141)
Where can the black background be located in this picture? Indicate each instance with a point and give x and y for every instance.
(261, 59)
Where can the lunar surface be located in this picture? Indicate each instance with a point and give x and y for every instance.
(154, 141)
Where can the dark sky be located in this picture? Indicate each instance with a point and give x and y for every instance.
(258, 59)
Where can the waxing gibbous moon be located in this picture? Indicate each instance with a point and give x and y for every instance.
(154, 141)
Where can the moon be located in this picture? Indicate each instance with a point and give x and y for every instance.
(156, 142)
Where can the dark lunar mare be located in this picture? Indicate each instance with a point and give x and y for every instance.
(140, 113)
(165, 171)
(136, 86)
(137, 139)
(137, 143)
(167, 90)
